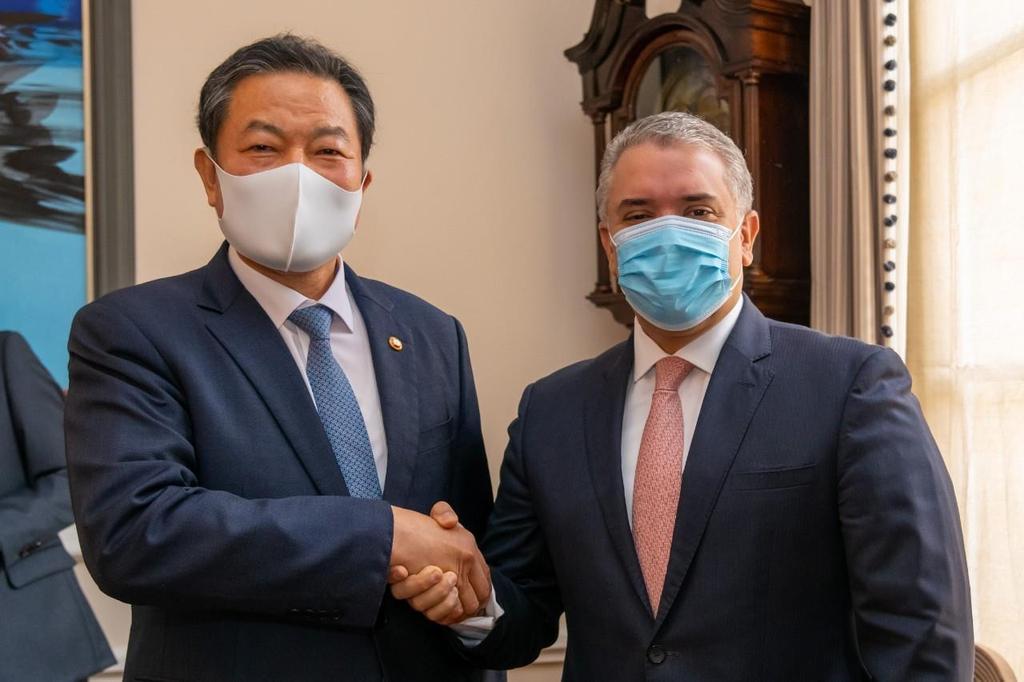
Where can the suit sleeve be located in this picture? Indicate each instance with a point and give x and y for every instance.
(901, 529)
(471, 494)
(151, 534)
(34, 515)
(521, 569)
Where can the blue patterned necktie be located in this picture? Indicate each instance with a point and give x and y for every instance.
(336, 404)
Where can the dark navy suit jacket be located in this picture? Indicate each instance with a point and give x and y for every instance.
(47, 630)
(817, 536)
(207, 495)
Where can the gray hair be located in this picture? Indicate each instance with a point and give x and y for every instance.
(283, 53)
(676, 127)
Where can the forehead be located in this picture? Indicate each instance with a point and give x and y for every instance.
(286, 97)
(658, 170)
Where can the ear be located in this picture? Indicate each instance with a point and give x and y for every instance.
(610, 253)
(208, 174)
(748, 233)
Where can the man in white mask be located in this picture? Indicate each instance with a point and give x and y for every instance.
(722, 497)
(254, 444)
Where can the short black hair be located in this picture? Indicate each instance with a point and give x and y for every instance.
(282, 53)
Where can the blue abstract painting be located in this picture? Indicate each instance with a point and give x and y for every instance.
(42, 174)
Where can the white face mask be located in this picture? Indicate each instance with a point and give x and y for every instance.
(288, 218)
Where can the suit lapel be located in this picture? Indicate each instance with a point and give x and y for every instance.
(247, 334)
(603, 425)
(396, 375)
(737, 385)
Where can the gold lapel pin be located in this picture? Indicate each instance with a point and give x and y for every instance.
(395, 343)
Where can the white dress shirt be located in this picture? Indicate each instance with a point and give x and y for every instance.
(350, 343)
(703, 354)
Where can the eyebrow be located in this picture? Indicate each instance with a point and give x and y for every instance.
(323, 131)
(331, 131)
(632, 202)
(701, 196)
(265, 127)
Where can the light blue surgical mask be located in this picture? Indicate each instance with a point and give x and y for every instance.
(674, 271)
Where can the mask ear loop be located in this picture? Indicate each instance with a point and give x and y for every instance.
(209, 155)
(732, 236)
(739, 227)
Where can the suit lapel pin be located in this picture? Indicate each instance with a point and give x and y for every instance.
(395, 343)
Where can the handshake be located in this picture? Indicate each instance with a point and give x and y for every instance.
(436, 566)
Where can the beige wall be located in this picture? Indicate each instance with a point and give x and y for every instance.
(483, 167)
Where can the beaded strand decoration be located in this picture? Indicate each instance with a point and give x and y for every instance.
(889, 152)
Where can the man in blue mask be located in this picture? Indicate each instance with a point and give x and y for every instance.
(721, 497)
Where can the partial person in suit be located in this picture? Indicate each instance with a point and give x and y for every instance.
(252, 444)
(47, 630)
(722, 496)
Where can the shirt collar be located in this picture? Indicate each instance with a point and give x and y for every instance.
(702, 352)
(279, 301)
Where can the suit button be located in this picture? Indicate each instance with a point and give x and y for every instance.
(29, 548)
(656, 655)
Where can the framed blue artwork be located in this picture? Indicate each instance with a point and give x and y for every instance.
(43, 266)
(46, 264)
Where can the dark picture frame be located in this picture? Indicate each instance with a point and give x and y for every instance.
(112, 197)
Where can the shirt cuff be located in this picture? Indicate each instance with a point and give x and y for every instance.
(474, 630)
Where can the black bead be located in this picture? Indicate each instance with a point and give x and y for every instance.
(888, 266)
(890, 286)
(890, 65)
(890, 110)
(890, 19)
(890, 153)
(889, 85)
(890, 220)
(889, 198)
(889, 132)
(886, 331)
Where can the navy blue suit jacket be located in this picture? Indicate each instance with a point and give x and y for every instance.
(207, 495)
(47, 630)
(817, 535)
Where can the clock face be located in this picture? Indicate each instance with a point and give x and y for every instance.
(680, 79)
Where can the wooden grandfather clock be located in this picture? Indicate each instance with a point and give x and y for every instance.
(741, 65)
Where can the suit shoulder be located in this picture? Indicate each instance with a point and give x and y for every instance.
(157, 298)
(827, 352)
(580, 375)
(13, 344)
(403, 300)
(10, 337)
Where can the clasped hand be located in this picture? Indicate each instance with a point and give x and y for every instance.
(436, 566)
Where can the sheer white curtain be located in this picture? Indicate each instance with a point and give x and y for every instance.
(965, 342)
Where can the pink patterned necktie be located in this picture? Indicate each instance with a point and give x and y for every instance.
(659, 475)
